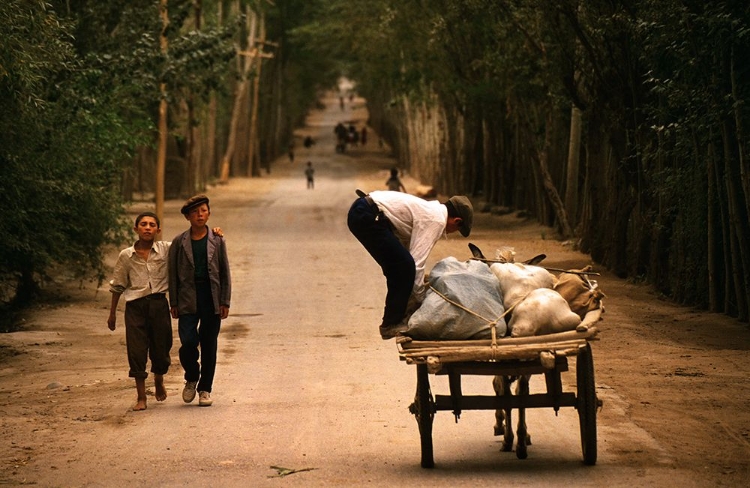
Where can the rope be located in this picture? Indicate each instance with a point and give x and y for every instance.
(493, 323)
(558, 270)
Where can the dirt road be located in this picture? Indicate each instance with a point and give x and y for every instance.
(304, 381)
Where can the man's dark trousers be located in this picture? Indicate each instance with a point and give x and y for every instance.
(372, 229)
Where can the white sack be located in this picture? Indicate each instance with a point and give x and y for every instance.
(470, 283)
(543, 311)
(517, 280)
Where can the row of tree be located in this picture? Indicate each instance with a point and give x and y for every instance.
(104, 102)
(623, 124)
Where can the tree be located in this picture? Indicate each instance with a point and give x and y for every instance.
(60, 149)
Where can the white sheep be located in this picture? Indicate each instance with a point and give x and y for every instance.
(542, 311)
(517, 280)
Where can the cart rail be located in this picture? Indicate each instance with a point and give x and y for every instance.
(507, 357)
(545, 348)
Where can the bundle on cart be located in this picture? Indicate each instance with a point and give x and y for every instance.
(474, 300)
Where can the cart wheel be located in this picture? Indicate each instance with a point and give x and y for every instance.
(587, 404)
(425, 412)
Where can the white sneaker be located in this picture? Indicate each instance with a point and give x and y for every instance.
(188, 393)
(204, 399)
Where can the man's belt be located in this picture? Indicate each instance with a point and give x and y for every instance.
(368, 199)
(379, 215)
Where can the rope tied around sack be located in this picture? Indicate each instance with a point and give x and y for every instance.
(492, 323)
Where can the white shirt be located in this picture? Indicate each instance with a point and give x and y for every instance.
(417, 223)
(136, 278)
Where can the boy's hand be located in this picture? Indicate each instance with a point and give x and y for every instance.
(174, 312)
(223, 311)
(218, 231)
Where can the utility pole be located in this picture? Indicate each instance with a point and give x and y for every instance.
(240, 100)
(258, 55)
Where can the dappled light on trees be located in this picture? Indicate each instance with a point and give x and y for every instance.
(621, 126)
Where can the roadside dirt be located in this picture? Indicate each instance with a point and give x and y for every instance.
(679, 374)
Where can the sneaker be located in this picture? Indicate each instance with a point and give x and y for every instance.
(391, 331)
(188, 393)
(204, 399)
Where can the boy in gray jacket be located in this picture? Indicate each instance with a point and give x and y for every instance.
(199, 293)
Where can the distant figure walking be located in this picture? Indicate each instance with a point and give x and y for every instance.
(394, 183)
(341, 102)
(363, 138)
(341, 137)
(308, 142)
(353, 136)
(310, 172)
(291, 152)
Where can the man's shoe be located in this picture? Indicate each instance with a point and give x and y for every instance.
(204, 399)
(188, 393)
(391, 331)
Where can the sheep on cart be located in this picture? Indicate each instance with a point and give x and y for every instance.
(507, 359)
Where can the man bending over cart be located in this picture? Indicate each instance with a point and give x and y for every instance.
(399, 231)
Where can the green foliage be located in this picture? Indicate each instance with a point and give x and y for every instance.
(663, 86)
(60, 148)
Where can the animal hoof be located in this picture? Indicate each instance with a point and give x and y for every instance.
(521, 452)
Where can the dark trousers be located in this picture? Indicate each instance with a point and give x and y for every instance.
(374, 232)
(148, 334)
(200, 342)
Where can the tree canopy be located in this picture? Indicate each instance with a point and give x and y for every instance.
(622, 125)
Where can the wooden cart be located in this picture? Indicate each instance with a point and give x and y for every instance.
(515, 357)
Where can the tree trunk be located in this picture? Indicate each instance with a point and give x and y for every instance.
(161, 160)
(572, 173)
(209, 154)
(549, 185)
(711, 222)
(190, 182)
(736, 239)
(240, 100)
(739, 135)
(193, 153)
(253, 161)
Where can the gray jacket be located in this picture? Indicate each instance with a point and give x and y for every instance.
(182, 273)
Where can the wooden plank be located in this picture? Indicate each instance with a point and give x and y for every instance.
(499, 351)
(505, 368)
(407, 343)
(486, 402)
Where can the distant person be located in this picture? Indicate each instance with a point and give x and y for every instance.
(291, 152)
(309, 173)
(341, 137)
(394, 183)
(140, 275)
(363, 137)
(308, 142)
(353, 136)
(200, 288)
(341, 102)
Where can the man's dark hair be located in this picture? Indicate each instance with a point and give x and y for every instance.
(147, 214)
